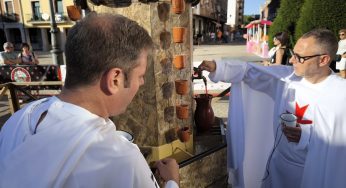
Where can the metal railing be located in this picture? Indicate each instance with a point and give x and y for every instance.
(9, 17)
(59, 17)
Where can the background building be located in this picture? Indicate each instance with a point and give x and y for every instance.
(235, 13)
(29, 21)
(269, 9)
(11, 22)
(208, 16)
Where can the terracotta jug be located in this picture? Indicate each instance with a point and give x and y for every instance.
(177, 6)
(178, 34)
(204, 114)
(179, 62)
(182, 111)
(181, 87)
(184, 134)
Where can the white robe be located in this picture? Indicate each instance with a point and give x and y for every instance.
(71, 148)
(259, 95)
(341, 65)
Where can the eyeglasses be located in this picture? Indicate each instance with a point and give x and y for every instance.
(302, 59)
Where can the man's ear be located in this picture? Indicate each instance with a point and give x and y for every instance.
(113, 80)
(325, 59)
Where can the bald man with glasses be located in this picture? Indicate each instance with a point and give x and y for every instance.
(265, 152)
(8, 56)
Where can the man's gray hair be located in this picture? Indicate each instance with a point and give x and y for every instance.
(325, 41)
(7, 45)
(100, 42)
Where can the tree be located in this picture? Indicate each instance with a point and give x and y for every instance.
(321, 14)
(286, 19)
(248, 18)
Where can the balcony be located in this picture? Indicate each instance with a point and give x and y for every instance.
(9, 17)
(44, 18)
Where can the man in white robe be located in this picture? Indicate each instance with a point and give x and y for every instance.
(264, 152)
(69, 140)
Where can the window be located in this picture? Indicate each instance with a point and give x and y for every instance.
(59, 7)
(36, 10)
(9, 7)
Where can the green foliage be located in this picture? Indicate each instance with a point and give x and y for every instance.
(248, 18)
(286, 19)
(330, 14)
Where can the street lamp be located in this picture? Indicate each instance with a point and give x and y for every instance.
(56, 52)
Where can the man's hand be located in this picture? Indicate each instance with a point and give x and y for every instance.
(168, 169)
(292, 133)
(209, 66)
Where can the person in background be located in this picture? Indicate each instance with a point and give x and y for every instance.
(68, 140)
(263, 151)
(199, 38)
(219, 35)
(212, 36)
(8, 56)
(279, 54)
(341, 65)
(26, 56)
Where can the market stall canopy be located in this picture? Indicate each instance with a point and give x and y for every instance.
(256, 22)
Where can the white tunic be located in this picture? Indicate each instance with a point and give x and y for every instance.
(70, 148)
(341, 65)
(259, 95)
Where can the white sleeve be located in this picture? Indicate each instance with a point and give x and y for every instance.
(304, 137)
(228, 71)
(171, 184)
(258, 77)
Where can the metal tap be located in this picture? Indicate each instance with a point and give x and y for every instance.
(197, 74)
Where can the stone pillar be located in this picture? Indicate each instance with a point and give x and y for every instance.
(45, 42)
(151, 117)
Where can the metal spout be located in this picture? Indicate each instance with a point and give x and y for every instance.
(197, 74)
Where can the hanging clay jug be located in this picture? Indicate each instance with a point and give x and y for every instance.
(179, 62)
(181, 87)
(182, 111)
(178, 34)
(184, 134)
(204, 114)
(73, 12)
(177, 6)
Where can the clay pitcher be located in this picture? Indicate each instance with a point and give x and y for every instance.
(204, 114)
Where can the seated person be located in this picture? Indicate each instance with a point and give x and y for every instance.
(8, 57)
(280, 54)
(26, 56)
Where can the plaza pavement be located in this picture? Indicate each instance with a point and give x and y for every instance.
(236, 50)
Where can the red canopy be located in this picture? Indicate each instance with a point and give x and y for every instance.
(256, 22)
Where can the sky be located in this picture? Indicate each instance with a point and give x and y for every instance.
(252, 6)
